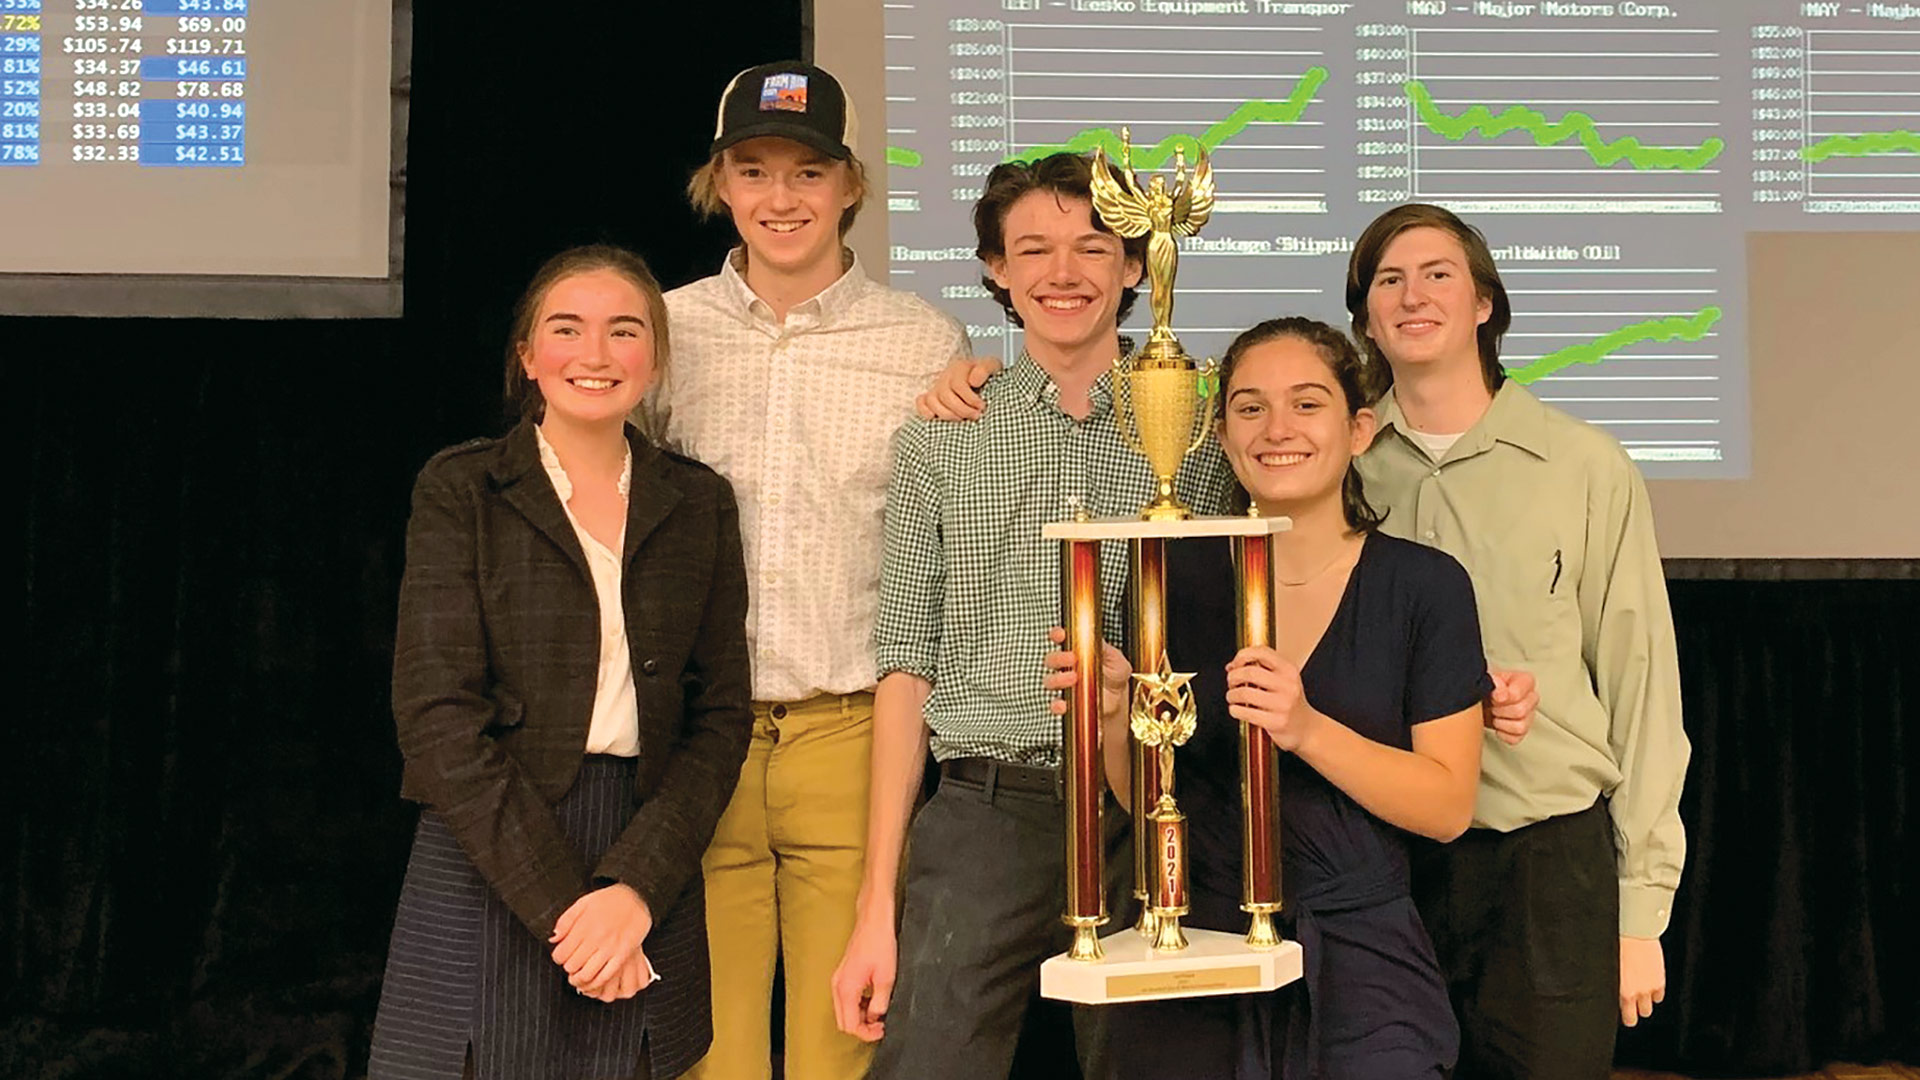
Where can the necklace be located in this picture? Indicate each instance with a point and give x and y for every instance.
(1317, 574)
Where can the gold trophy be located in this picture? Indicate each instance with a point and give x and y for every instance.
(1155, 389)
(1164, 412)
(1164, 716)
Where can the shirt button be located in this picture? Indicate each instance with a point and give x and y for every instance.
(1436, 474)
(649, 666)
(1429, 534)
(771, 578)
(779, 712)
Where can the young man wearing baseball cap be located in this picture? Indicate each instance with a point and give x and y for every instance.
(792, 369)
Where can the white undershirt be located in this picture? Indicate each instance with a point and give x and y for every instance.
(615, 728)
(1436, 446)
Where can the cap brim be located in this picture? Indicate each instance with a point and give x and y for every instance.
(799, 133)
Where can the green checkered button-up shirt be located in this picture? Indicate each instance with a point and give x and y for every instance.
(968, 588)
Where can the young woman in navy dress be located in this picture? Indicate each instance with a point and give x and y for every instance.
(1373, 693)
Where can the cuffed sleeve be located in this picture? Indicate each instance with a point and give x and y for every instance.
(1629, 648)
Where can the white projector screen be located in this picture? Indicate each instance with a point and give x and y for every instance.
(168, 148)
(1633, 165)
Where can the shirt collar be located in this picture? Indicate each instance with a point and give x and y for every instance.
(1515, 417)
(826, 306)
(562, 486)
(1029, 383)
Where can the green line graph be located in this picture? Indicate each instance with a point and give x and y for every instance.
(1482, 120)
(1149, 158)
(901, 157)
(1676, 327)
(1873, 142)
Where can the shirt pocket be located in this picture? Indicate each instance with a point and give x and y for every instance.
(1543, 605)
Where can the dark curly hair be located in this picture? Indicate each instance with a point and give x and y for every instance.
(1066, 175)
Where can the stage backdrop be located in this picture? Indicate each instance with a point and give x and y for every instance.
(203, 837)
(203, 840)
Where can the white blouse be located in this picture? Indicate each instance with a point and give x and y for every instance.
(615, 728)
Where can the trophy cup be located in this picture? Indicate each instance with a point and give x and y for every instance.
(1164, 413)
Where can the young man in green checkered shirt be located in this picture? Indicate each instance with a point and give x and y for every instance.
(968, 592)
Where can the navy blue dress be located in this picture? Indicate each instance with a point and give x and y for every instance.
(1403, 648)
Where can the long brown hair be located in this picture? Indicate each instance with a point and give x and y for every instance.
(523, 397)
(1344, 361)
(1365, 262)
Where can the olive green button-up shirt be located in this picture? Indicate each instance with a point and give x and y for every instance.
(1552, 521)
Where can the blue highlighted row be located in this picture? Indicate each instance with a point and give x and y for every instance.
(205, 155)
(161, 112)
(15, 132)
(19, 153)
(20, 109)
(173, 67)
(22, 7)
(19, 44)
(189, 7)
(19, 88)
(193, 133)
(19, 65)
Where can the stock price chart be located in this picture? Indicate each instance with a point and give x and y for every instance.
(1615, 154)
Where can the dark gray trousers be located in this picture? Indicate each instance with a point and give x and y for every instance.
(1526, 924)
(985, 886)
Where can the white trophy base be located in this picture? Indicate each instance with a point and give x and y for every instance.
(1212, 963)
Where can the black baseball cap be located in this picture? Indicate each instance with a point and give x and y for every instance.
(790, 100)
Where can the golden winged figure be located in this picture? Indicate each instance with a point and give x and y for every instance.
(1157, 211)
(1164, 714)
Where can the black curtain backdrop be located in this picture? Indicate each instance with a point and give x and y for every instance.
(205, 841)
(1794, 940)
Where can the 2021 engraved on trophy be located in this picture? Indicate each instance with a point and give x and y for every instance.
(1165, 411)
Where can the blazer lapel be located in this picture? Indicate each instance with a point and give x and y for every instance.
(650, 496)
(522, 482)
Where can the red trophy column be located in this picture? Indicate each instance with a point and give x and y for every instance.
(1080, 750)
(1259, 763)
(1149, 608)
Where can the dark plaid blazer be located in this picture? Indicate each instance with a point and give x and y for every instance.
(497, 655)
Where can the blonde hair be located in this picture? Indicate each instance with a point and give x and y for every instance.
(703, 190)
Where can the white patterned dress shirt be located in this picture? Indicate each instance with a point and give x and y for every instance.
(799, 416)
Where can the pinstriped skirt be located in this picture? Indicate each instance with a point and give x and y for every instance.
(462, 971)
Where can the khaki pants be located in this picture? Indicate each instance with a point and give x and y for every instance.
(783, 876)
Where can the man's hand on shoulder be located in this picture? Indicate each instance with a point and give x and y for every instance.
(955, 393)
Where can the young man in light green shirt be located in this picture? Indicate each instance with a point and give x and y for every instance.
(1547, 915)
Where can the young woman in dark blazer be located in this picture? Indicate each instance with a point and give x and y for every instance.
(572, 696)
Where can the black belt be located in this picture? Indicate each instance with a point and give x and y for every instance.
(993, 774)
